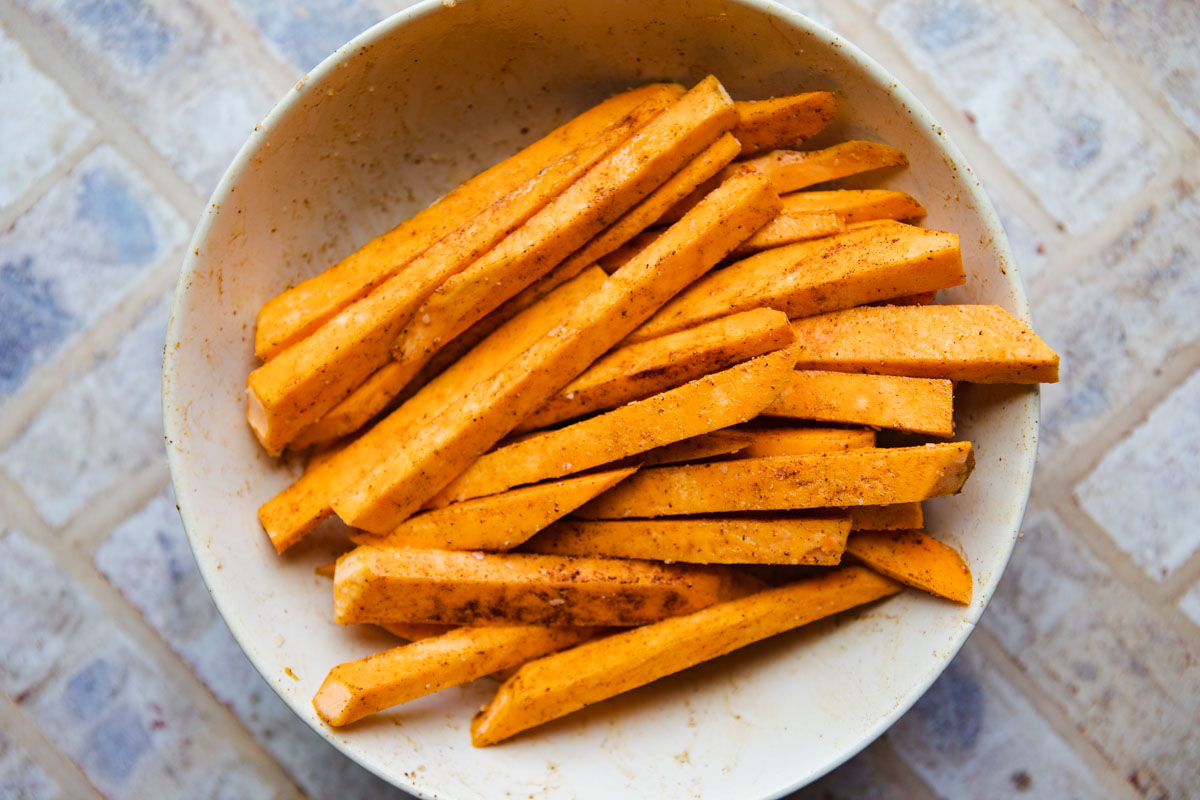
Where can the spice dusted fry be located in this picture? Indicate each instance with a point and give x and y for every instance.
(396, 584)
(790, 228)
(888, 259)
(855, 205)
(791, 170)
(637, 219)
(498, 521)
(718, 443)
(424, 462)
(640, 370)
(979, 344)
(300, 384)
(917, 405)
(556, 685)
(899, 516)
(597, 200)
(775, 441)
(360, 688)
(721, 540)
(705, 404)
(291, 514)
(782, 121)
(916, 559)
(874, 476)
(298, 311)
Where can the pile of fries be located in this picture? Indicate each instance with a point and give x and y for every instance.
(563, 408)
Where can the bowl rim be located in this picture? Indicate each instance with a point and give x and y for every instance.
(173, 420)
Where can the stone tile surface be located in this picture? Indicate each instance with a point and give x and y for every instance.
(96, 697)
(1144, 493)
(1127, 680)
(1190, 603)
(304, 34)
(190, 90)
(1159, 36)
(54, 286)
(21, 778)
(1050, 114)
(108, 426)
(1119, 317)
(38, 124)
(148, 559)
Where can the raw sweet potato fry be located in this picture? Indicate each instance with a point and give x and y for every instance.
(718, 443)
(916, 559)
(896, 517)
(396, 584)
(707, 540)
(791, 170)
(700, 169)
(598, 199)
(889, 259)
(423, 462)
(782, 121)
(917, 405)
(640, 370)
(359, 688)
(556, 685)
(498, 521)
(702, 405)
(415, 631)
(875, 476)
(775, 441)
(299, 385)
(302, 506)
(919, 299)
(297, 312)
(855, 205)
(789, 228)
(980, 344)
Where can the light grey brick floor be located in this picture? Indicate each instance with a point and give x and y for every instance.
(119, 679)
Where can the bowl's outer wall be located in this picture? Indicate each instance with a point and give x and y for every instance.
(378, 131)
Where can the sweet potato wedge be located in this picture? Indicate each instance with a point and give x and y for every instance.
(896, 517)
(718, 443)
(782, 121)
(598, 199)
(395, 584)
(360, 688)
(789, 228)
(421, 464)
(708, 540)
(700, 169)
(979, 344)
(302, 506)
(791, 170)
(556, 685)
(705, 404)
(498, 521)
(300, 310)
(762, 442)
(640, 370)
(917, 405)
(876, 476)
(855, 205)
(415, 631)
(916, 559)
(887, 260)
(299, 385)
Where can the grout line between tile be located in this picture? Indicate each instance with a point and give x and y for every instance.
(50, 57)
(57, 765)
(19, 207)
(1182, 579)
(216, 716)
(88, 529)
(279, 75)
(899, 773)
(1052, 712)
(86, 345)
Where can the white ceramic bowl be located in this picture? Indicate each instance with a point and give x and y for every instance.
(382, 127)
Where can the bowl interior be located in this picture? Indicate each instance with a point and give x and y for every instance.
(379, 130)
